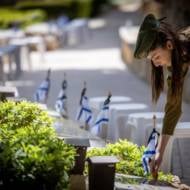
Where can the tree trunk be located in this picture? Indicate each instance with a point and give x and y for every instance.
(177, 12)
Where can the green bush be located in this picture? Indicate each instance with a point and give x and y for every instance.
(71, 8)
(52, 8)
(10, 17)
(31, 155)
(28, 12)
(129, 155)
(34, 4)
(81, 8)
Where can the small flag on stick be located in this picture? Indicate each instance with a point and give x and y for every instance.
(102, 118)
(61, 102)
(42, 91)
(84, 114)
(150, 151)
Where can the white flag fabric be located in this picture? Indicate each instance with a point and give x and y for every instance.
(102, 118)
(41, 94)
(150, 151)
(61, 103)
(84, 114)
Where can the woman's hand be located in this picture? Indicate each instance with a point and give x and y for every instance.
(155, 165)
(156, 162)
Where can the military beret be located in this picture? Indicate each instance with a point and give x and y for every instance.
(146, 36)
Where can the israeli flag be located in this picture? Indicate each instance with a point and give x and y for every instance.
(61, 103)
(84, 114)
(103, 116)
(101, 120)
(41, 94)
(42, 91)
(150, 151)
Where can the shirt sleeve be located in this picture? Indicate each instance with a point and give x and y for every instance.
(173, 107)
(172, 111)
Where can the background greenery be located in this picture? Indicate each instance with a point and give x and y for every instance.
(11, 17)
(24, 13)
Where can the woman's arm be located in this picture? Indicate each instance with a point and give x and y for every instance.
(171, 117)
(172, 111)
(159, 154)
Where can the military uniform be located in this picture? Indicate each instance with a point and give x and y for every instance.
(145, 40)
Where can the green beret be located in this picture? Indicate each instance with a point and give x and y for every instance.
(146, 36)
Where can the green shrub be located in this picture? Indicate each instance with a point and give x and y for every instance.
(14, 115)
(71, 8)
(10, 17)
(129, 155)
(52, 8)
(81, 8)
(35, 4)
(31, 154)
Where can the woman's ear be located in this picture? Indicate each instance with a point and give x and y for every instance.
(169, 45)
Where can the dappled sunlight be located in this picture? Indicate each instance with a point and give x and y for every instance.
(108, 58)
(135, 6)
(110, 72)
(20, 83)
(97, 23)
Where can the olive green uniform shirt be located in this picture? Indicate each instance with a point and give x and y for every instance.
(173, 107)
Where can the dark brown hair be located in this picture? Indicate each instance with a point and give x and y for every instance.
(164, 34)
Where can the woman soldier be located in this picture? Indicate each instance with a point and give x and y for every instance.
(164, 47)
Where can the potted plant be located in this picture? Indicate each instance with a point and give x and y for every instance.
(31, 154)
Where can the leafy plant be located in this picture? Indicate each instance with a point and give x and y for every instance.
(72, 8)
(14, 115)
(130, 156)
(81, 8)
(10, 17)
(128, 153)
(30, 151)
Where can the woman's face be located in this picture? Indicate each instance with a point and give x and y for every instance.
(161, 56)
